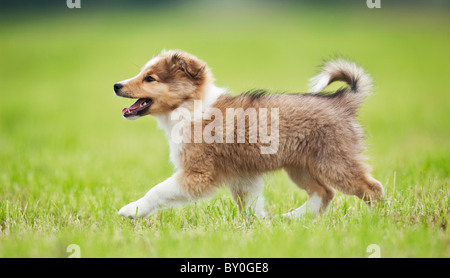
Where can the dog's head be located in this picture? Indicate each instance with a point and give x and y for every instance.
(169, 80)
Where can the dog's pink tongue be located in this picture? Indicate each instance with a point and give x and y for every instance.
(132, 108)
(125, 110)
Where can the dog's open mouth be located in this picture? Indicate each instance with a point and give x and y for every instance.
(135, 109)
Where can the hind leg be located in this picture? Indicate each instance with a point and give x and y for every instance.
(368, 189)
(319, 194)
(353, 178)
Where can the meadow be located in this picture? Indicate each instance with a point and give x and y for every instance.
(69, 161)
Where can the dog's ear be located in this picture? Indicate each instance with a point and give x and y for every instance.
(191, 66)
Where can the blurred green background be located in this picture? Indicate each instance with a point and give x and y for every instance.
(66, 154)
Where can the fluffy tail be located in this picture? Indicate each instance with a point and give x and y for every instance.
(360, 82)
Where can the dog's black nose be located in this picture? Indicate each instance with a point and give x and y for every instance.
(117, 87)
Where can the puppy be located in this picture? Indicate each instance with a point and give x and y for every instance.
(218, 139)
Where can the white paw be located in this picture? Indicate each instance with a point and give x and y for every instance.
(134, 210)
(291, 215)
(260, 214)
(299, 213)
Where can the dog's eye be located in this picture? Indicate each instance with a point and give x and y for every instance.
(149, 79)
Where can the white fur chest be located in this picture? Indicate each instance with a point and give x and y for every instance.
(168, 121)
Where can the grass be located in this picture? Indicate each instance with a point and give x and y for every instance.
(68, 161)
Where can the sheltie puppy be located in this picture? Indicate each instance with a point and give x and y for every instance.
(218, 139)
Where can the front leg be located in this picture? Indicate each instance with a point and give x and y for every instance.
(168, 193)
(247, 192)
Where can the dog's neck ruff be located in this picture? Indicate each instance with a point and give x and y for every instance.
(168, 121)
